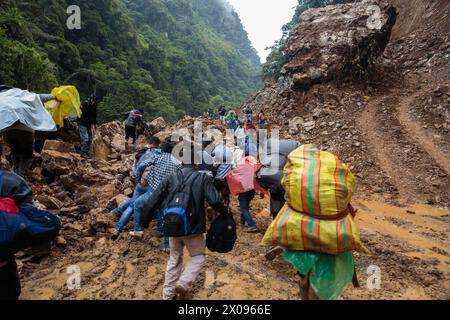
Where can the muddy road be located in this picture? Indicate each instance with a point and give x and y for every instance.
(410, 245)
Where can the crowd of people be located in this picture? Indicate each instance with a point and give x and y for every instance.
(233, 122)
(172, 189)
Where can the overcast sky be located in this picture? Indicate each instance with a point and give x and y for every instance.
(263, 19)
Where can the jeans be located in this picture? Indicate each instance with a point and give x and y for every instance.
(127, 209)
(85, 139)
(244, 202)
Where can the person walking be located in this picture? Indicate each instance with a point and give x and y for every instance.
(135, 118)
(87, 124)
(248, 114)
(12, 186)
(183, 197)
(162, 166)
(27, 108)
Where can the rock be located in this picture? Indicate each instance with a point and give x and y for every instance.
(325, 43)
(116, 202)
(69, 211)
(60, 146)
(164, 135)
(128, 192)
(99, 220)
(309, 126)
(59, 163)
(158, 124)
(294, 125)
(60, 242)
(85, 197)
(50, 202)
(117, 143)
(100, 149)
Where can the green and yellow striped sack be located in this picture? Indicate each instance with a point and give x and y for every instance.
(317, 215)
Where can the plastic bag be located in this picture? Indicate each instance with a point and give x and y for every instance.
(25, 107)
(67, 104)
(329, 274)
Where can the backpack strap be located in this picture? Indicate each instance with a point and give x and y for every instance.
(1, 182)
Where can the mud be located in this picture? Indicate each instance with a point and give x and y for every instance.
(411, 251)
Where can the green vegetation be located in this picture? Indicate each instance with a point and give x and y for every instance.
(278, 56)
(169, 57)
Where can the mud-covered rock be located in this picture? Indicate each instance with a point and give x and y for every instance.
(50, 202)
(84, 197)
(336, 41)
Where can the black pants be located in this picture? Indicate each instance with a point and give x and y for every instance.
(9, 281)
(21, 144)
(130, 132)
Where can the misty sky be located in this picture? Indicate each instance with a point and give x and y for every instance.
(263, 20)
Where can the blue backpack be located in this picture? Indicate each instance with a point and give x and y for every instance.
(24, 227)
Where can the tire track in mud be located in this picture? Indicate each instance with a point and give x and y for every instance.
(421, 137)
(411, 161)
(379, 144)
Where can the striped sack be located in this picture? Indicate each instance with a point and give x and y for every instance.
(317, 215)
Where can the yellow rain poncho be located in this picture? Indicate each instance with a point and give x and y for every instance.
(67, 104)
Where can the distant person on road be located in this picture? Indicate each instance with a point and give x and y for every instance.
(248, 114)
(222, 113)
(232, 120)
(262, 120)
(87, 124)
(135, 118)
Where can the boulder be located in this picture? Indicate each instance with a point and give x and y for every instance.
(58, 163)
(84, 197)
(158, 124)
(326, 44)
(60, 146)
(100, 148)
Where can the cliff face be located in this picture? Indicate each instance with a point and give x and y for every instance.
(374, 91)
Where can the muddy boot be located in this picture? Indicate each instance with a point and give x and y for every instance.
(273, 253)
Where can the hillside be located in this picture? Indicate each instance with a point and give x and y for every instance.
(170, 57)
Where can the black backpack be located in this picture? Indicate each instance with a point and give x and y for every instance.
(222, 234)
(178, 216)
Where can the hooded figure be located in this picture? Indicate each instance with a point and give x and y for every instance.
(23, 113)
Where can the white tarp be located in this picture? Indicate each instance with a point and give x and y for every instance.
(26, 107)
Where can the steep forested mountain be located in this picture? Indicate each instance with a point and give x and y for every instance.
(170, 57)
